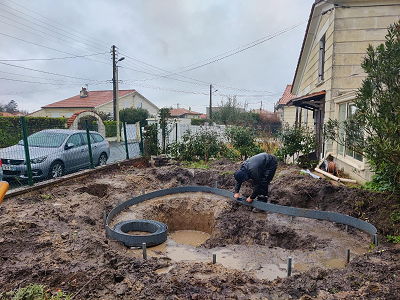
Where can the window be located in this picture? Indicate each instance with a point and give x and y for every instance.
(97, 137)
(346, 110)
(321, 61)
(75, 139)
(43, 139)
(84, 138)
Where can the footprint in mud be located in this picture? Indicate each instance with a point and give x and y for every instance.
(97, 189)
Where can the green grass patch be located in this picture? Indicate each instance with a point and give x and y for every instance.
(35, 292)
(395, 239)
(201, 164)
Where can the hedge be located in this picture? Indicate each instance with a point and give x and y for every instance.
(199, 121)
(111, 128)
(11, 130)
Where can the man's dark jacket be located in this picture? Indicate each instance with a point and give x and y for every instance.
(261, 169)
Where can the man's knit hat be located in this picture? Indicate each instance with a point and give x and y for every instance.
(241, 176)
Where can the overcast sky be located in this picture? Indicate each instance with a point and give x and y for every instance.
(166, 34)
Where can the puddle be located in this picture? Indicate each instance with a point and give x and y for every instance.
(191, 220)
(190, 237)
(138, 232)
(164, 270)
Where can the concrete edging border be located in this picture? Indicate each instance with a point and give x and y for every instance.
(269, 207)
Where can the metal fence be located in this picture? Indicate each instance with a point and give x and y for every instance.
(36, 149)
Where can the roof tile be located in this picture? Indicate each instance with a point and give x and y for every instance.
(94, 99)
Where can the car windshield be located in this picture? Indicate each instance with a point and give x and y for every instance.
(46, 139)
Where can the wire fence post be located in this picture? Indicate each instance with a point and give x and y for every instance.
(89, 144)
(141, 139)
(126, 140)
(26, 148)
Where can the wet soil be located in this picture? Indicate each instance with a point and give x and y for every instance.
(55, 237)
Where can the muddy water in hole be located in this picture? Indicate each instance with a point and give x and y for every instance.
(261, 261)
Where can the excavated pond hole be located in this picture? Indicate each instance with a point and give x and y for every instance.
(202, 224)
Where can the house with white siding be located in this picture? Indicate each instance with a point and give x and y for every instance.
(329, 70)
(100, 101)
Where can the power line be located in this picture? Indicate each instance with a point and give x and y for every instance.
(79, 35)
(36, 77)
(250, 45)
(51, 73)
(198, 82)
(37, 82)
(43, 46)
(54, 58)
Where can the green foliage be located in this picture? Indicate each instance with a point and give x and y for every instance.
(395, 216)
(92, 123)
(11, 130)
(134, 115)
(393, 239)
(231, 114)
(164, 114)
(34, 292)
(199, 122)
(231, 153)
(150, 136)
(202, 145)
(377, 112)
(296, 141)
(104, 116)
(111, 128)
(196, 164)
(244, 140)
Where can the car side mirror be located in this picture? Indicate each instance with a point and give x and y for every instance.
(69, 146)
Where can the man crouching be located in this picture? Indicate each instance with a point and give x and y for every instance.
(261, 169)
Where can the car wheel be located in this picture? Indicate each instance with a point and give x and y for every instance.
(102, 159)
(56, 169)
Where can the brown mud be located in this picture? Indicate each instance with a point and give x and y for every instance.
(55, 237)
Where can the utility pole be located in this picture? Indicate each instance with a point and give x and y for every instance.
(210, 111)
(261, 107)
(117, 106)
(114, 62)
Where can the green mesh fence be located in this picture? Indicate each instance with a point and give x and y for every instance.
(37, 149)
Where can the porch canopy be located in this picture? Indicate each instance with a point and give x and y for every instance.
(314, 101)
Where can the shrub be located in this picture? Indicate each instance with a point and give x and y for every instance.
(150, 136)
(134, 115)
(202, 145)
(199, 122)
(243, 139)
(111, 128)
(11, 130)
(296, 141)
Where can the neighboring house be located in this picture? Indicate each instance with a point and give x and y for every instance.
(329, 69)
(101, 101)
(6, 114)
(287, 114)
(184, 113)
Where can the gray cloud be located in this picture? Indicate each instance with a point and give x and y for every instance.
(165, 33)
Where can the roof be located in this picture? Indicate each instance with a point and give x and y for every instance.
(286, 96)
(176, 112)
(94, 99)
(311, 101)
(6, 114)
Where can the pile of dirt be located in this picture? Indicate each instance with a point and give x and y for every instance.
(238, 225)
(291, 188)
